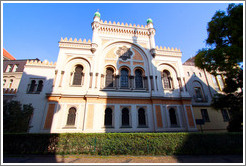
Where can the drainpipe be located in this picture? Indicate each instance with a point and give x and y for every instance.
(152, 107)
(85, 112)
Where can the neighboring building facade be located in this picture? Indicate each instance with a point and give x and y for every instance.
(118, 82)
(202, 86)
(12, 73)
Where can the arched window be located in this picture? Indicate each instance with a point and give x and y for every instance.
(32, 86)
(138, 79)
(71, 116)
(4, 82)
(198, 93)
(109, 77)
(124, 78)
(40, 86)
(108, 117)
(11, 83)
(141, 117)
(125, 117)
(167, 80)
(77, 79)
(173, 118)
(221, 82)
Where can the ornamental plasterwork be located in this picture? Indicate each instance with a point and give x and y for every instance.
(124, 53)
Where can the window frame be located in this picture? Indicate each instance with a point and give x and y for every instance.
(38, 86)
(75, 75)
(15, 68)
(4, 82)
(74, 118)
(225, 115)
(215, 82)
(35, 88)
(135, 78)
(129, 118)
(167, 79)
(201, 92)
(112, 118)
(205, 116)
(106, 78)
(9, 68)
(145, 117)
(127, 78)
(176, 118)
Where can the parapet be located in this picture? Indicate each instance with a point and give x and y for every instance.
(123, 24)
(168, 51)
(75, 40)
(40, 63)
(121, 29)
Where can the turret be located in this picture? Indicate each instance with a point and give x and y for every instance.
(95, 25)
(97, 16)
(151, 36)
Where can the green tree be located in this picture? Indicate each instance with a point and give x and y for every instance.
(223, 55)
(16, 117)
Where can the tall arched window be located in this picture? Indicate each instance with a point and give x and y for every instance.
(109, 77)
(125, 117)
(138, 79)
(4, 82)
(108, 117)
(77, 79)
(71, 116)
(173, 118)
(40, 86)
(198, 93)
(166, 79)
(124, 78)
(141, 117)
(32, 86)
(11, 83)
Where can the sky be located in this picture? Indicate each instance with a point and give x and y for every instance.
(33, 30)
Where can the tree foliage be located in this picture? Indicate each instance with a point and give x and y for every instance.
(225, 52)
(16, 117)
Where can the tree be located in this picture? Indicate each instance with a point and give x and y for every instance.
(225, 52)
(16, 117)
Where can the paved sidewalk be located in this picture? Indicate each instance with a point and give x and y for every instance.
(124, 159)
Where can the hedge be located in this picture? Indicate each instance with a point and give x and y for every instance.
(124, 143)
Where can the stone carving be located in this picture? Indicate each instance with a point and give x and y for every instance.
(124, 53)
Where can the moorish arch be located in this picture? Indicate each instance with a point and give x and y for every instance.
(165, 66)
(168, 76)
(110, 57)
(75, 65)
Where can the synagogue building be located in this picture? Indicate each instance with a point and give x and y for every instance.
(119, 81)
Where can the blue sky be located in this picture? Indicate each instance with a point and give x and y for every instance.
(32, 30)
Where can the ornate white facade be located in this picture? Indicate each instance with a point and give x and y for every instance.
(118, 82)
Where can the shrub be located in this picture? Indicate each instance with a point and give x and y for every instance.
(16, 117)
(124, 143)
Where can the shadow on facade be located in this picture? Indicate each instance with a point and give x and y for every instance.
(202, 92)
(32, 90)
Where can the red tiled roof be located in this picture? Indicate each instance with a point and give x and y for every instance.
(8, 55)
(190, 61)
